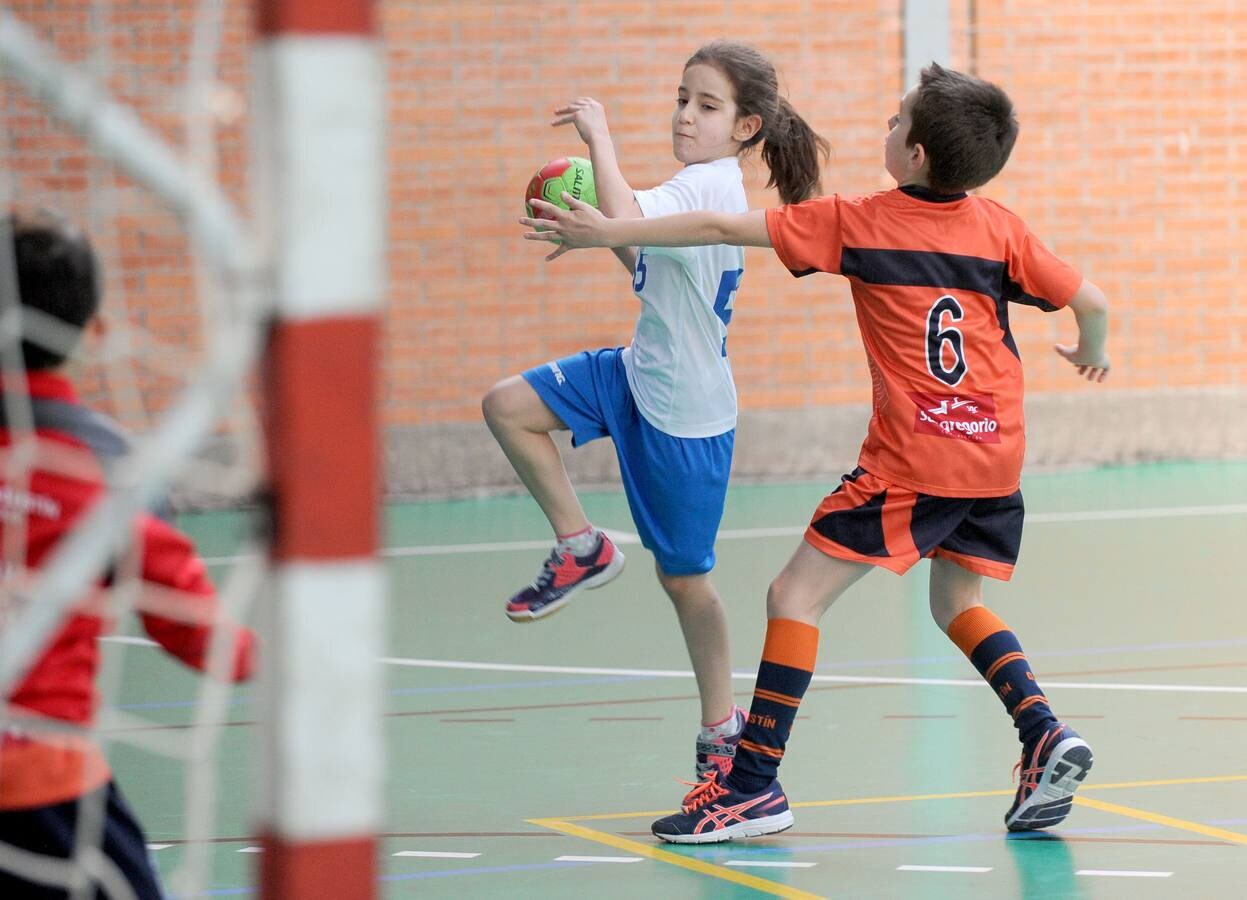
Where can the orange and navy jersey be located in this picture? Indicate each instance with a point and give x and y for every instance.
(932, 278)
(72, 449)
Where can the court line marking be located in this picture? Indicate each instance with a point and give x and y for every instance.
(975, 869)
(1232, 837)
(830, 679)
(436, 854)
(729, 534)
(962, 795)
(1122, 873)
(764, 885)
(762, 864)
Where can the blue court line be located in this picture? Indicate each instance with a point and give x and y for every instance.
(441, 873)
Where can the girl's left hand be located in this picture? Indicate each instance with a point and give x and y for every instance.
(588, 115)
(580, 226)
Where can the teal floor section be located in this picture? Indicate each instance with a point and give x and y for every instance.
(537, 753)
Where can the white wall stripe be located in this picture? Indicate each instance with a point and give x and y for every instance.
(1115, 873)
(599, 859)
(971, 869)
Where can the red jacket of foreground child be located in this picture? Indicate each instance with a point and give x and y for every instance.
(74, 448)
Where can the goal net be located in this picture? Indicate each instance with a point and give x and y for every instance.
(141, 125)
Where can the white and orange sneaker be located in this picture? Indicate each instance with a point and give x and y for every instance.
(562, 575)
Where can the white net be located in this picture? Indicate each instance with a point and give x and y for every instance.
(150, 164)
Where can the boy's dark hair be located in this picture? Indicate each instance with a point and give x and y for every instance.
(790, 147)
(57, 274)
(965, 124)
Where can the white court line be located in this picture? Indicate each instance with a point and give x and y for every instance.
(729, 534)
(831, 679)
(250, 850)
(978, 869)
(472, 666)
(762, 864)
(601, 859)
(159, 846)
(1122, 873)
(436, 854)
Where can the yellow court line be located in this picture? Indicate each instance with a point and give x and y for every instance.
(1232, 837)
(686, 862)
(964, 795)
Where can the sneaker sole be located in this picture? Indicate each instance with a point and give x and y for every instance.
(1054, 795)
(753, 828)
(607, 575)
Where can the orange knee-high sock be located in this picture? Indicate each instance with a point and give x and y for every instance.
(994, 650)
(783, 675)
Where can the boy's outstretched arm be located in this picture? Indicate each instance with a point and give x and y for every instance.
(584, 226)
(1090, 354)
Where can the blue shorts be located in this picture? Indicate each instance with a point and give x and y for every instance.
(675, 486)
(870, 520)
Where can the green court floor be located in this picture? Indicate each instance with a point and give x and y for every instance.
(528, 761)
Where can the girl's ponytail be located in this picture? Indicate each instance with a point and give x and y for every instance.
(791, 150)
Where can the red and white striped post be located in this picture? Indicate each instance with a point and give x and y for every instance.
(320, 160)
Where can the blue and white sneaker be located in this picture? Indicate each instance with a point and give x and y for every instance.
(713, 813)
(561, 576)
(1051, 770)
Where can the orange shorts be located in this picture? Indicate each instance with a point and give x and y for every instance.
(867, 519)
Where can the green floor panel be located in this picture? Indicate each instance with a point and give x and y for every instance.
(591, 713)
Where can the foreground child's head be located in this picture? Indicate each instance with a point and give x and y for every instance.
(57, 275)
(953, 133)
(744, 109)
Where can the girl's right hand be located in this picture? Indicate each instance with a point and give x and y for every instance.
(581, 226)
(589, 117)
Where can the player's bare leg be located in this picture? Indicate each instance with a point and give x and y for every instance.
(704, 624)
(954, 589)
(809, 583)
(584, 557)
(521, 423)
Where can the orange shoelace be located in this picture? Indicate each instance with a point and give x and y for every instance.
(706, 791)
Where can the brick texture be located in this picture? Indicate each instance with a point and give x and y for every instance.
(1128, 165)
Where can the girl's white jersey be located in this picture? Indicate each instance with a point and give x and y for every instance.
(677, 364)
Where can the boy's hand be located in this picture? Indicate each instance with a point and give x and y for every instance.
(580, 226)
(589, 117)
(1094, 368)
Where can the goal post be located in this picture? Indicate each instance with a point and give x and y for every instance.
(320, 162)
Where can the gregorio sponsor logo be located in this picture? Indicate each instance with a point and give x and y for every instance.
(964, 417)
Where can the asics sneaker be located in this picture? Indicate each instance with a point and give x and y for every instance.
(716, 750)
(562, 576)
(1051, 770)
(713, 812)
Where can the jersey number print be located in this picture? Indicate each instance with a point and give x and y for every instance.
(939, 337)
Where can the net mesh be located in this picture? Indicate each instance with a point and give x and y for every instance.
(133, 127)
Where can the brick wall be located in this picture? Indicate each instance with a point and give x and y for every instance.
(1128, 165)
